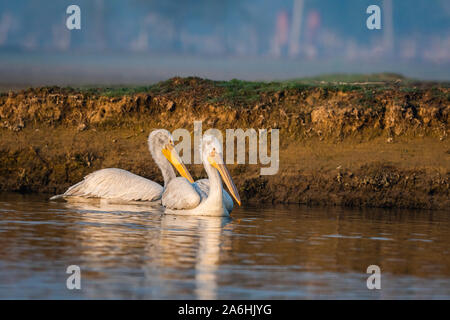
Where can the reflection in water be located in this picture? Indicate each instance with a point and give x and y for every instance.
(129, 251)
(207, 241)
(167, 247)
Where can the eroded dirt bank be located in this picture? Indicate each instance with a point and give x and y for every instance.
(380, 145)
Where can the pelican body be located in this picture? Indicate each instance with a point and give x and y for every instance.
(204, 197)
(119, 185)
(202, 186)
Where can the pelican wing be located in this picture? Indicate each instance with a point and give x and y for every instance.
(202, 186)
(115, 183)
(180, 194)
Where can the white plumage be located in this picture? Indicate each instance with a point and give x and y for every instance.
(180, 194)
(202, 186)
(113, 183)
(206, 196)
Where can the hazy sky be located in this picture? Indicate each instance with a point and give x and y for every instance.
(292, 34)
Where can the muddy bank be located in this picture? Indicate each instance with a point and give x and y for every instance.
(377, 145)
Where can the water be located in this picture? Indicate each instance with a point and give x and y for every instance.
(272, 252)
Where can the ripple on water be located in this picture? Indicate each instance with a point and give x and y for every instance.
(260, 253)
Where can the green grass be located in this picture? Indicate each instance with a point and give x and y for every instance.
(240, 91)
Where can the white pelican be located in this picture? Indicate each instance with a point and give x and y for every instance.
(182, 197)
(117, 185)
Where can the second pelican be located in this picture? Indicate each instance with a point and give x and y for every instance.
(119, 185)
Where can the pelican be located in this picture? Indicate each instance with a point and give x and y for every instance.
(117, 185)
(182, 197)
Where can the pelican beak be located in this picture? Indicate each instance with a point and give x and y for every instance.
(217, 162)
(172, 155)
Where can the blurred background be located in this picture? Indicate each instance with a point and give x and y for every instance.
(143, 41)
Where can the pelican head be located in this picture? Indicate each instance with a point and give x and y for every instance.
(160, 142)
(211, 150)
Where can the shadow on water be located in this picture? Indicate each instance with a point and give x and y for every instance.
(129, 251)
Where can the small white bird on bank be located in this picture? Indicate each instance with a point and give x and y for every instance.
(203, 198)
(117, 185)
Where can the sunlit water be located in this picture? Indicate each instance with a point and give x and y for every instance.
(282, 252)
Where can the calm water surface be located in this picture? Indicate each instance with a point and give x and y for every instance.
(281, 252)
